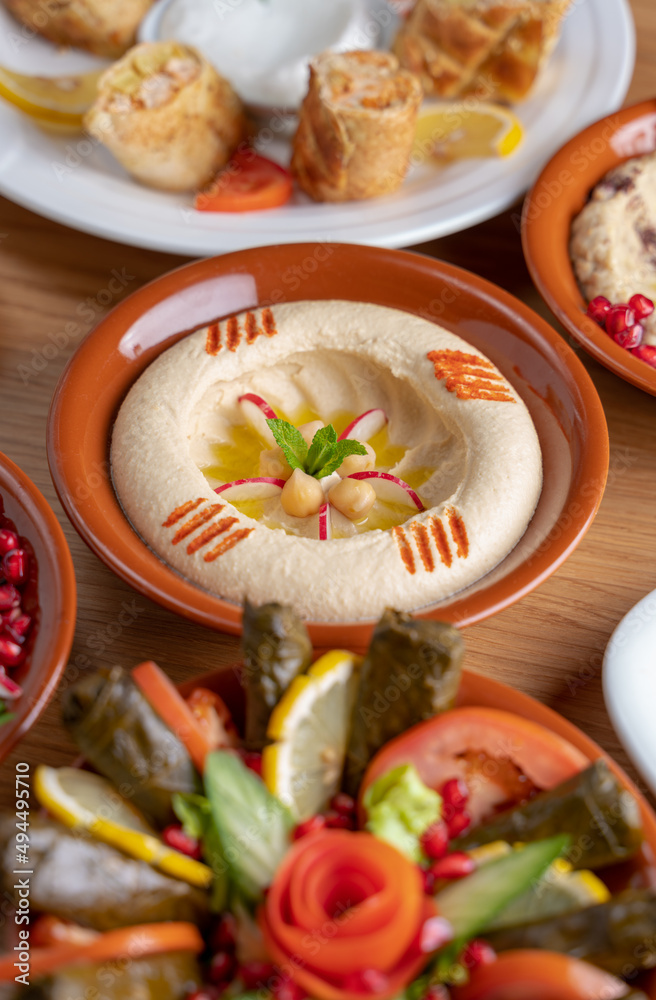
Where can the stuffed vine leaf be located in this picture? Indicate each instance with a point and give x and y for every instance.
(602, 817)
(156, 977)
(81, 879)
(276, 648)
(125, 740)
(410, 673)
(617, 936)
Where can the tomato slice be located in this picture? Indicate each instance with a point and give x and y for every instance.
(249, 183)
(540, 975)
(501, 756)
(214, 717)
(126, 942)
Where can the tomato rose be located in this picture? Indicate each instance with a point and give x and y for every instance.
(345, 908)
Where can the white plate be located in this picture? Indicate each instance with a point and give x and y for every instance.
(74, 181)
(629, 679)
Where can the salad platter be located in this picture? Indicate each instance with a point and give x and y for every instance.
(73, 180)
(495, 842)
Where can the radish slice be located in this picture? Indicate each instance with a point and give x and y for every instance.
(325, 526)
(365, 426)
(9, 690)
(257, 411)
(390, 488)
(260, 488)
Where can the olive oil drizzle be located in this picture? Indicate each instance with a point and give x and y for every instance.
(239, 458)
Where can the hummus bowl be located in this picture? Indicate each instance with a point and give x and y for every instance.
(557, 197)
(543, 373)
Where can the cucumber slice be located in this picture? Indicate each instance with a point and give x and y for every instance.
(253, 826)
(473, 902)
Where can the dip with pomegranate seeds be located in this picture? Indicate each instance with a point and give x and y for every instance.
(452, 459)
(613, 239)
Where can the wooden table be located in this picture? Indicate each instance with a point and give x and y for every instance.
(550, 644)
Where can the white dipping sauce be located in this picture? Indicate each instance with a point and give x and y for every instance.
(263, 46)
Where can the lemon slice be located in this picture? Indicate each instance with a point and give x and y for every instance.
(310, 725)
(87, 801)
(448, 132)
(59, 101)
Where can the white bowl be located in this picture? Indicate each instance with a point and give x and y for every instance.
(263, 47)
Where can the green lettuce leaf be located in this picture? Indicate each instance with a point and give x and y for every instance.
(400, 807)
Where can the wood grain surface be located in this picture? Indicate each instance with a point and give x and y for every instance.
(549, 645)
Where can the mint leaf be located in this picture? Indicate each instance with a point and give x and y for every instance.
(321, 449)
(290, 440)
(342, 450)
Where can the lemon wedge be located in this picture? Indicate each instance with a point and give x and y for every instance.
(53, 101)
(448, 132)
(86, 801)
(310, 726)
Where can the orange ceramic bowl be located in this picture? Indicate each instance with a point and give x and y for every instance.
(559, 194)
(544, 370)
(50, 644)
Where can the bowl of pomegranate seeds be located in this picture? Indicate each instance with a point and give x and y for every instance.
(589, 238)
(37, 603)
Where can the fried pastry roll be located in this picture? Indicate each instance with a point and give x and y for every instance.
(492, 48)
(356, 126)
(167, 116)
(105, 27)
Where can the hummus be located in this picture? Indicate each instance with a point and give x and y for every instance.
(457, 432)
(613, 244)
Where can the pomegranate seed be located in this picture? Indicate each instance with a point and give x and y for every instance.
(435, 840)
(458, 824)
(619, 319)
(9, 597)
(254, 974)
(252, 760)
(366, 981)
(287, 989)
(455, 793)
(310, 825)
(19, 627)
(176, 838)
(205, 993)
(429, 881)
(456, 865)
(8, 540)
(11, 654)
(343, 804)
(478, 952)
(222, 967)
(641, 305)
(339, 821)
(436, 992)
(15, 564)
(631, 337)
(224, 937)
(434, 934)
(646, 353)
(598, 309)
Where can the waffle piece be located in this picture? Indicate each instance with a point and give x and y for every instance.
(492, 48)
